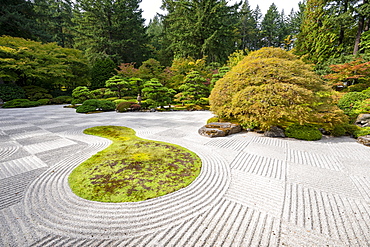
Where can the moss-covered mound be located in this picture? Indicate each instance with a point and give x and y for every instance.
(133, 169)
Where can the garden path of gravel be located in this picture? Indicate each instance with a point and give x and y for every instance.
(252, 191)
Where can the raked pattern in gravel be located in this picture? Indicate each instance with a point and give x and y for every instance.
(252, 190)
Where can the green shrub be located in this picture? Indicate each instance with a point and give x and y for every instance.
(85, 108)
(43, 101)
(213, 120)
(124, 106)
(62, 100)
(303, 132)
(349, 100)
(21, 103)
(362, 132)
(106, 105)
(35, 93)
(11, 91)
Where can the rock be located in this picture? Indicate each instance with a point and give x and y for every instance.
(275, 132)
(364, 140)
(363, 120)
(219, 129)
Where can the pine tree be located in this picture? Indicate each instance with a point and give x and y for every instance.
(200, 28)
(271, 27)
(55, 16)
(17, 19)
(114, 28)
(248, 28)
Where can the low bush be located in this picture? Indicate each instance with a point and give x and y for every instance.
(349, 101)
(124, 106)
(106, 105)
(21, 103)
(303, 132)
(362, 132)
(62, 100)
(11, 91)
(85, 108)
(44, 101)
(91, 105)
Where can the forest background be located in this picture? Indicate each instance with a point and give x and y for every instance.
(59, 45)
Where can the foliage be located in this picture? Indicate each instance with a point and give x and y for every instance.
(55, 18)
(351, 103)
(133, 169)
(21, 103)
(44, 101)
(248, 28)
(11, 91)
(362, 132)
(272, 87)
(17, 19)
(27, 62)
(303, 132)
(62, 100)
(80, 94)
(34, 93)
(124, 106)
(102, 70)
(157, 94)
(200, 29)
(111, 28)
(118, 84)
(96, 105)
(183, 66)
(194, 88)
(220, 73)
(350, 73)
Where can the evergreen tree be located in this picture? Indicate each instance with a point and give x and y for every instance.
(111, 27)
(17, 19)
(55, 16)
(271, 27)
(248, 28)
(201, 28)
(194, 88)
(102, 70)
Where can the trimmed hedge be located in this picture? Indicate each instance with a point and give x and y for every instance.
(21, 103)
(303, 132)
(91, 105)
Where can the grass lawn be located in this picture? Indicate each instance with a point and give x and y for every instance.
(133, 169)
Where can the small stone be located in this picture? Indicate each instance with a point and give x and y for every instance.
(219, 129)
(275, 132)
(365, 140)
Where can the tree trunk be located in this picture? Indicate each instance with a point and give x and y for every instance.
(358, 36)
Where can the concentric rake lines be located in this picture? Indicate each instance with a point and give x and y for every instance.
(60, 210)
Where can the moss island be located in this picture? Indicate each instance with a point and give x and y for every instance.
(133, 169)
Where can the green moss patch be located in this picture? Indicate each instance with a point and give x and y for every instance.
(133, 169)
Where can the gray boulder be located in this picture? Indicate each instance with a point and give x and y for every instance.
(219, 129)
(275, 132)
(363, 120)
(364, 140)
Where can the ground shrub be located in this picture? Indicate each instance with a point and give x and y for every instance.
(85, 109)
(91, 105)
(349, 101)
(62, 100)
(213, 120)
(44, 101)
(124, 106)
(107, 105)
(21, 103)
(303, 132)
(362, 132)
(11, 91)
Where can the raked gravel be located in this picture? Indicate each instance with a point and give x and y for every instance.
(252, 190)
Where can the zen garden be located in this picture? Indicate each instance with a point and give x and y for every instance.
(305, 75)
